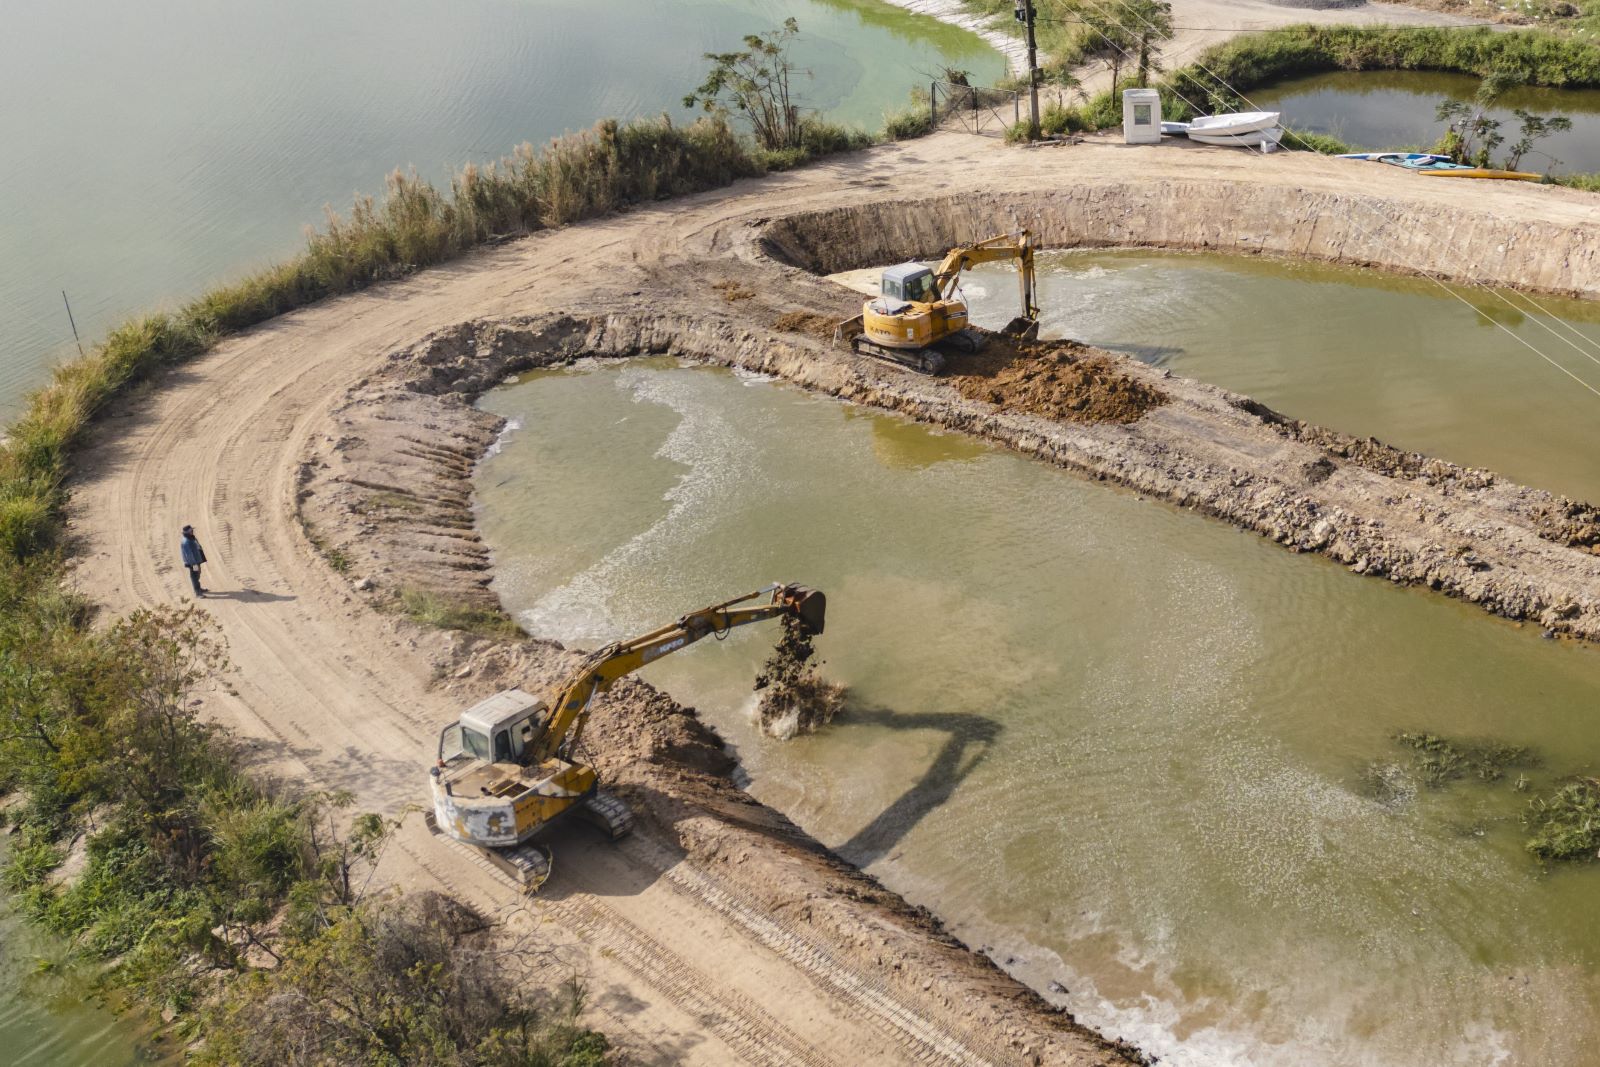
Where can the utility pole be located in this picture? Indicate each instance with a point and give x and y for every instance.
(1024, 14)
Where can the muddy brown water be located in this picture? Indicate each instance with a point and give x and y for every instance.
(1360, 351)
(1123, 747)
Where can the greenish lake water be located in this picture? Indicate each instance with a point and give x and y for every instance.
(1383, 109)
(152, 149)
(1139, 754)
(1360, 351)
(44, 1020)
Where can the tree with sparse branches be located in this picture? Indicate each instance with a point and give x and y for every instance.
(1471, 135)
(1107, 37)
(1534, 127)
(757, 83)
(1151, 22)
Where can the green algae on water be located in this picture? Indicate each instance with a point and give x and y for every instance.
(1566, 824)
(1438, 760)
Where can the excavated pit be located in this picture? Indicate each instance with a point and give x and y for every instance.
(1465, 246)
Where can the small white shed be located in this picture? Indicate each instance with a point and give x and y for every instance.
(1141, 116)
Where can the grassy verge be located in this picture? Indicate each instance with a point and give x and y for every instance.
(1253, 60)
(430, 609)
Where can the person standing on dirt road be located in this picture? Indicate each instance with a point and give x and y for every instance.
(193, 557)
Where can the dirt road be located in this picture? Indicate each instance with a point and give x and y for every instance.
(1203, 23)
(719, 934)
(1200, 24)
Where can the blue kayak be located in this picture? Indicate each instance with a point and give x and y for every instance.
(1413, 160)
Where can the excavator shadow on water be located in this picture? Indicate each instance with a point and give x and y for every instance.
(968, 739)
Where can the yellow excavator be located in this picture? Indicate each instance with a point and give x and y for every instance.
(918, 308)
(510, 766)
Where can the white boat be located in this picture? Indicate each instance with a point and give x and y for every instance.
(1254, 139)
(1233, 125)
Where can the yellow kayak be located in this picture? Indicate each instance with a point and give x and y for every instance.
(1481, 172)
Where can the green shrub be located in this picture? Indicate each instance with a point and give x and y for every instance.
(407, 981)
(27, 523)
(1587, 182)
(1019, 132)
(912, 122)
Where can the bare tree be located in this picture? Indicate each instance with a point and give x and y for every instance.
(756, 82)
(1534, 127)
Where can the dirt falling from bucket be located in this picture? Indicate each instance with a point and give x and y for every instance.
(795, 698)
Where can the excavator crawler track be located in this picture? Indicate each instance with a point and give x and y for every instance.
(608, 812)
(528, 865)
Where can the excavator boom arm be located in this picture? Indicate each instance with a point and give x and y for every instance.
(1006, 246)
(569, 708)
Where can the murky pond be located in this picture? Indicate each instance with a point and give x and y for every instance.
(1130, 749)
(1362, 351)
(1384, 109)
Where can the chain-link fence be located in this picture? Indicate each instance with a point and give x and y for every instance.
(974, 108)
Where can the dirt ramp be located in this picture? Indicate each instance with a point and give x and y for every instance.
(1055, 379)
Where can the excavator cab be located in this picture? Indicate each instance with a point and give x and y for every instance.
(908, 283)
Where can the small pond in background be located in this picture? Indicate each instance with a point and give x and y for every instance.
(1382, 109)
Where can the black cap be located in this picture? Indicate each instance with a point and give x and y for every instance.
(188, 529)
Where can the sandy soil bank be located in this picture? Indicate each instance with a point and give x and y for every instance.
(995, 34)
(721, 933)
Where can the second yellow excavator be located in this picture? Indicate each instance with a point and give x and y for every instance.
(919, 308)
(510, 766)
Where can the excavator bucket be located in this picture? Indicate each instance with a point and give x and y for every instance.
(1023, 328)
(810, 606)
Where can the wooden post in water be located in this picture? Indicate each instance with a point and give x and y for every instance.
(72, 322)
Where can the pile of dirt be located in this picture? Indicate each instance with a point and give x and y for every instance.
(1055, 379)
(1568, 522)
(795, 698)
(807, 322)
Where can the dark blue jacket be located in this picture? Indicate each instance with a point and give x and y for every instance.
(193, 554)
